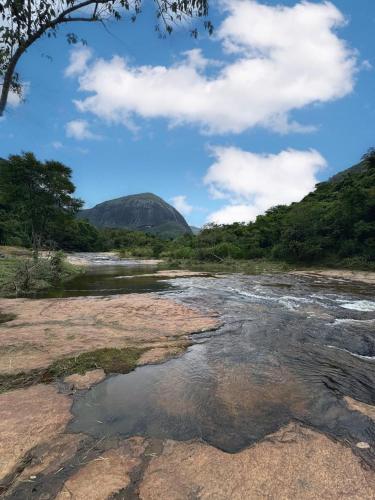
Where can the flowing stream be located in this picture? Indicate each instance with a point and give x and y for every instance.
(289, 349)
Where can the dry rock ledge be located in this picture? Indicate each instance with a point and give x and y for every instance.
(50, 329)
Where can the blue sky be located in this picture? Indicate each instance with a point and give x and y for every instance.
(280, 97)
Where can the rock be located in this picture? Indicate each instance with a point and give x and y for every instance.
(363, 445)
(106, 475)
(142, 212)
(85, 381)
(368, 410)
(159, 354)
(29, 417)
(294, 463)
(49, 329)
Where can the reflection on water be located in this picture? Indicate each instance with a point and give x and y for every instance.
(103, 280)
(284, 352)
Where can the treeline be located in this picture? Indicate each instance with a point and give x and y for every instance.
(335, 224)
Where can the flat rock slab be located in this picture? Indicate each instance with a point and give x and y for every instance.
(85, 381)
(295, 463)
(106, 475)
(160, 354)
(49, 329)
(29, 417)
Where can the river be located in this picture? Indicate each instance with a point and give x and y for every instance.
(290, 348)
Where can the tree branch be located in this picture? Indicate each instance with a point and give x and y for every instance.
(63, 17)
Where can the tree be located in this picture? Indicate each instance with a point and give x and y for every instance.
(38, 195)
(23, 22)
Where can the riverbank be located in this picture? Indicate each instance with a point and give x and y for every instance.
(339, 274)
(46, 330)
(20, 274)
(233, 390)
(70, 344)
(42, 459)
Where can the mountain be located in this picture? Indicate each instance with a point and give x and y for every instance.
(138, 212)
(195, 230)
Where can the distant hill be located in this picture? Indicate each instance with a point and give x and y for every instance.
(140, 212)
(195, 230)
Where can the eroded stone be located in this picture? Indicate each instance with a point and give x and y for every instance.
(368, 410)
(50, 329)
(294, 463)
(29, 417)
(85, 381)
(106, 474)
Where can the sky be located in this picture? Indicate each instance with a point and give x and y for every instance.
(223, 127)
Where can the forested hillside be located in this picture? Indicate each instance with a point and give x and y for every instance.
(335, 224)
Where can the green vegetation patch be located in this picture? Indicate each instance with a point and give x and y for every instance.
(111, 360)
(20, 275)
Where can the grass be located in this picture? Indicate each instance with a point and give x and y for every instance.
(21, 275)
(111, 360)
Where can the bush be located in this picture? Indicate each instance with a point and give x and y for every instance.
(23, 275)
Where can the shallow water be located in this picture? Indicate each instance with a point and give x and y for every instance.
(289, 349)
(103, 279)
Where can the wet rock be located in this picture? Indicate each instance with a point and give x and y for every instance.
(29, 417)
(45, 462)
(294, 463)
(50, 329)
(77, 381)
(353, 404)
(363, 276)
(169, 273)
(362, 445)
(105, 475)
(159, 354)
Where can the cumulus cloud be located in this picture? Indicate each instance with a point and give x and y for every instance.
(78, 61)
(80, 130)
(276, 59)
(251, 183)
(181, 204)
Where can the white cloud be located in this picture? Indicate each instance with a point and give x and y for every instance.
(79, 57)
(282, 58)
(80, 130)
(252, 182)
(181, 204)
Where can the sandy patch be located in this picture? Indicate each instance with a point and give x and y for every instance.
(294, 463)
(49, 329)
(344, 274)
(29, 417)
